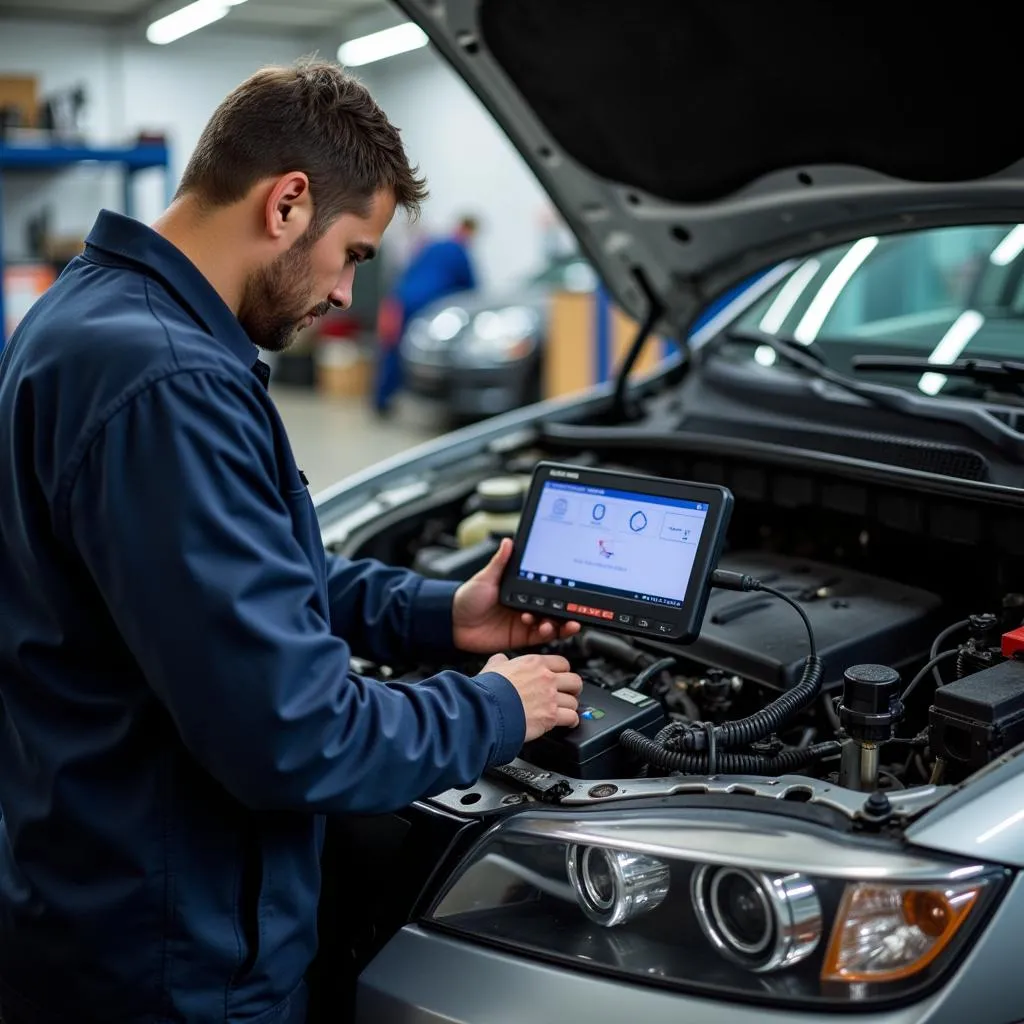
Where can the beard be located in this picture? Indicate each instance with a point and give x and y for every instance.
(276, 299)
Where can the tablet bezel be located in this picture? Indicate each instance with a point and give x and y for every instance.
(683, 623)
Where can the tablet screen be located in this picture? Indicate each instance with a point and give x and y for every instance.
(618, 542)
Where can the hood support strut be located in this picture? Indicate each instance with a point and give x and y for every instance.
(655, 311)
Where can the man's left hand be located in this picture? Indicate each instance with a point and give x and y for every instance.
(483, 626)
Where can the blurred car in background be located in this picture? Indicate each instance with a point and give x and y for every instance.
(481, 353)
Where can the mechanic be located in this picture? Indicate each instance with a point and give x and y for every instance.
(179, 707)
(442, 266)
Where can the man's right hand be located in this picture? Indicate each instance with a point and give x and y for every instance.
(546, 686)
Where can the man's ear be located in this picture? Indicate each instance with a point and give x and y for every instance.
(289, 208)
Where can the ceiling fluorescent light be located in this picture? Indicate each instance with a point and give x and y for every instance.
(821, 305)
(188, 19)
(782, 306)
(381, 45)
(948, 350)
(1009, 248)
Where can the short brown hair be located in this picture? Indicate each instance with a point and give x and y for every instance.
(311, 117)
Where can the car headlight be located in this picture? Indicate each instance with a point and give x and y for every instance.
(500, 335)
(761, 907)
(446, 325)
(434, 334)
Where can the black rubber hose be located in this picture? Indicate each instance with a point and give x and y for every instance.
(937, 660)
(768, 720)
(613, 648)
(940, 640)
(668, 730)
(688, 705)
(649, 673)
(663, 734)
(652, 753)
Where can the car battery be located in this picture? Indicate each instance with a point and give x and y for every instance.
(591, 750)
(975, 719)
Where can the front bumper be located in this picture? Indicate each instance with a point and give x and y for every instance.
(422, 977)
(471, 391)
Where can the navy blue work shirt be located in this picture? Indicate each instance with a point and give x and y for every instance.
(178, 706)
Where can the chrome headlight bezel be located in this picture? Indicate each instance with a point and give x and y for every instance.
(522, 889)
(789, 903)
(635, 883)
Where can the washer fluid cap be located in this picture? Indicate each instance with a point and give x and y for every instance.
(870, 705)
(501, 494)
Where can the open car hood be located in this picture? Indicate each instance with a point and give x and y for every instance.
(691, 143)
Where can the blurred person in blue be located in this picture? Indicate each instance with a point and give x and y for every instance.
(441, 267)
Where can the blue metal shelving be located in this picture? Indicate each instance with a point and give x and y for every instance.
(47, 159)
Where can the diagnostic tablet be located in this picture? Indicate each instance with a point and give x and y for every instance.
(626, 552)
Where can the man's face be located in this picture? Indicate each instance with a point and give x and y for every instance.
(287, 296)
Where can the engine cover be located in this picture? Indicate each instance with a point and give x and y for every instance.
(856, 617)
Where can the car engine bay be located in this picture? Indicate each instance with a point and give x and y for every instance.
(869, 723)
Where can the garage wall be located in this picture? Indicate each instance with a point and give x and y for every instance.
(132, 85)
(178, 87)
(470, 164)
(61, 57)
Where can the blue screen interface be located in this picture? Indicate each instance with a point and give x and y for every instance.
(639, 546)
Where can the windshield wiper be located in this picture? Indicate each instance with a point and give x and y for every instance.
(810, 359)
(971, 417)
(1004, 376)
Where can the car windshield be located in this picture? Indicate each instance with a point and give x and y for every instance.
(938, 296)
(568, 273)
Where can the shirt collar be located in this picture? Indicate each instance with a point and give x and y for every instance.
(140, 245)
(262, 371)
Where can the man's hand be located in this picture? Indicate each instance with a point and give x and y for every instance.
(548, 690)
(482, 626)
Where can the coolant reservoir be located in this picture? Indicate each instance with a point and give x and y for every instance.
(501, 501)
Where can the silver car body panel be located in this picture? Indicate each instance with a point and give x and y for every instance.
(984, 818)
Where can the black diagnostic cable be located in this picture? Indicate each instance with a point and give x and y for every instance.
(769, 720)
(724, 580)
(703, 748)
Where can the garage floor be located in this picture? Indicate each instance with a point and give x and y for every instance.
(333, 437)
